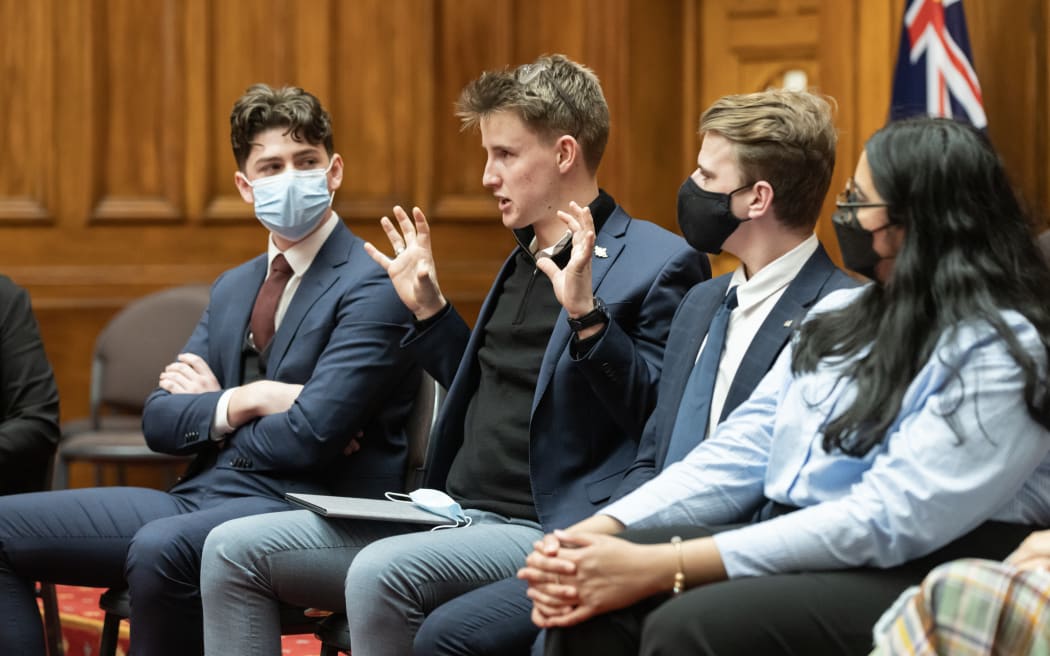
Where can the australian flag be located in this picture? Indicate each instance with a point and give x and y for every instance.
(934, 72)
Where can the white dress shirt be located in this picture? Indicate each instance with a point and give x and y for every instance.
(756, 297)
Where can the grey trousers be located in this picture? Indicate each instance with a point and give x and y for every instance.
(397, 574)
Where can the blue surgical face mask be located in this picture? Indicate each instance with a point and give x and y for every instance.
(293, 203)
(434, 501)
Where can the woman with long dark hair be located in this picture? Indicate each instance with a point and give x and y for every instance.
(908, 424)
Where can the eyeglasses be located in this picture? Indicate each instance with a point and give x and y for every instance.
(529, 73)
(848, 205)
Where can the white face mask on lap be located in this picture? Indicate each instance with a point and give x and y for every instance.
(434, 501)
(293, 203)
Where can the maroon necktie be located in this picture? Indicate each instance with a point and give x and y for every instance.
(265, 310)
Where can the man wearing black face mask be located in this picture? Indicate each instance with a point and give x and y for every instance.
(763, 170)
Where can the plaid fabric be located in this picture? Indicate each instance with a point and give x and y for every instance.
(970, 608)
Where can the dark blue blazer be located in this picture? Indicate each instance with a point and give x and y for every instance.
(818, 277)
(588, 413)
(339, 338)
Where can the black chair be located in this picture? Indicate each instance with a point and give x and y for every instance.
(116, 602)
(129, 354)
(52, 623)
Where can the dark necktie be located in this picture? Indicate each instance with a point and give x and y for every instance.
(690, 426)
(265, 310)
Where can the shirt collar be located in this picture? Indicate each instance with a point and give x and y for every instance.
(774, 276)
(602, 208)
(301, 254)
(553, 249)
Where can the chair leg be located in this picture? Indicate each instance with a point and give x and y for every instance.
(100, 470)
(59, 473)
(52, 622)
(110, 632)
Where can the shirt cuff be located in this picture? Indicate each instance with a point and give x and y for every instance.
(579, 349)
(220, 426)
(421, 326)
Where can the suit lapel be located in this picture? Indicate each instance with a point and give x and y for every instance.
(696, 316)
(778, 327)
(683, 345)
(610, 241)
(322, 274)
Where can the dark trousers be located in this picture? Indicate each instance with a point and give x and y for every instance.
(491, 620)
(105, 537)
(830, 612)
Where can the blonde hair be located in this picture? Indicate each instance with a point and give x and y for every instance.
(553, 96)
(785, 138)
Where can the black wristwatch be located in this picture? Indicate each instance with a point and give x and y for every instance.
(600, 314)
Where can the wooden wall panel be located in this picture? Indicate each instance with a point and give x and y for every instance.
(471, 36)
(134, 119)
(381, 130)
(645, 164)
(1007, 39)
(27, 118)
(116, 176)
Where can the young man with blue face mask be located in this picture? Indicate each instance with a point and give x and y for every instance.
(292, 381)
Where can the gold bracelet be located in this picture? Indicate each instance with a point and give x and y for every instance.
(679, 577)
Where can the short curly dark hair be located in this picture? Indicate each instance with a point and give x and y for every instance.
(263, 107)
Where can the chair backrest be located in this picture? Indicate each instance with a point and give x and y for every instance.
(138, 343)
(424, 413)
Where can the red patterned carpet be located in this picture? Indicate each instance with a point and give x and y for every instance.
(82, 626)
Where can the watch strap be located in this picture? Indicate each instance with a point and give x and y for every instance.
(598, 315)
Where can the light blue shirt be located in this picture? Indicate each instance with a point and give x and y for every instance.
(923, 486)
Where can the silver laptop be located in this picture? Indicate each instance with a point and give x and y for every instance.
(361, 508)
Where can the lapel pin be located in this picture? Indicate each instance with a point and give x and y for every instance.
(787, 324)
(599, 251)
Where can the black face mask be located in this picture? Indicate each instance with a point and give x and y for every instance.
(705, 217)
(856, 244)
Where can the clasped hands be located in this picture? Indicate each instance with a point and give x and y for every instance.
(574, 576)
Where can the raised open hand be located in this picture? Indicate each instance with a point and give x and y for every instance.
(412, 268)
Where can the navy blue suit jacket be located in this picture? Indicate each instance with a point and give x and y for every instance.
(339, 338)
(818, 277)
(587, 413)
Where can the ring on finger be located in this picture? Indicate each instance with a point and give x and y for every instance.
(398, 250)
